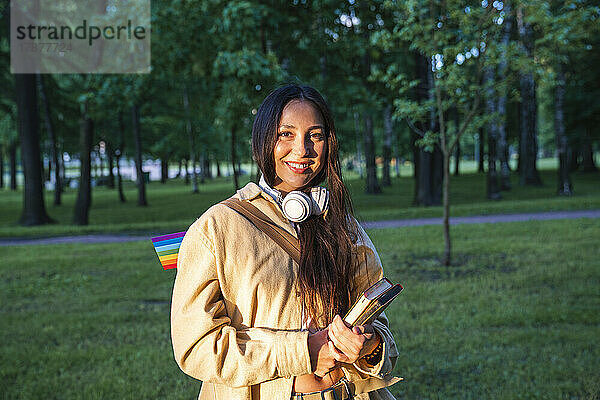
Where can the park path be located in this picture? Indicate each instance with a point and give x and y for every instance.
(396, 223)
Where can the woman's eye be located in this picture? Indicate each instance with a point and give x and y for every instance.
(317, 135)
(285, 134)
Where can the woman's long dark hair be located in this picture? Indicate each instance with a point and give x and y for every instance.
(326, 272)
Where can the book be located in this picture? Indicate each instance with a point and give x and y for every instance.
(372, 302)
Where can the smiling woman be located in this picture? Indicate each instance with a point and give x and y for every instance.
(301, 147)
(250, 320)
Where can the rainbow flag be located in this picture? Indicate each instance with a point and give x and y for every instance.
(167, 248)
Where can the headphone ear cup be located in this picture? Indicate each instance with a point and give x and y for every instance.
(297, 206)
(320, 198)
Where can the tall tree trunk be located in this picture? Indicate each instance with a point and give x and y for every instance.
(564, 186)
(446, 203)
(1, 166)
(94, 159)
(12, 155)
(63, 171)
(372, 186)
(190, 134)
(202, 168)
(431, 170)
(164, 170)
(178, 175)
(118, 155)
(457, 154)
(218, 168)
(234, 160)
(428, 169)
(502, 143)
(135, 119)
(480, 150)
(493, 190)
(587, 152)
(359, 156)
(48, 177)
(186, 162)
(528, 173)
(574, 160)
(100, 165)
(111, 161)
(387, 145)
(416, 158)
(34, 208)
(431, 167)
(84, 194)
(206, 173)
(396, 150)
(457, 160)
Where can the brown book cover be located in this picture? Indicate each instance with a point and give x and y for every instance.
(372, 302)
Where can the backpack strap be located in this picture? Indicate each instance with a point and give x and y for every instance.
(282, 237)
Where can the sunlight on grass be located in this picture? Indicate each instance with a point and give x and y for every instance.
(516, 316)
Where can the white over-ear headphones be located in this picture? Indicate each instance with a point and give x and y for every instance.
(298, 206)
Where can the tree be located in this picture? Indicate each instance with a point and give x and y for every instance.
(460, 41)
(84, 193)
(528, 173)
(493, 189)
(137, 138)
(569, 32)
(53, 141)
(244, 64)
(34, 208)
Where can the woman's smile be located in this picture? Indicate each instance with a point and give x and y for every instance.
(298, 168)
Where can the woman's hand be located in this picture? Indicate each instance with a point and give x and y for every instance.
(321, 359)
(348, 343)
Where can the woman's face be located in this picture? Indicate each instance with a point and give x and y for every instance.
(301, 148)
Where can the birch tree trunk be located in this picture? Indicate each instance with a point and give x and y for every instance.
(587, 152)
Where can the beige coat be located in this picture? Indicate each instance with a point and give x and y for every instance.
(235, 316)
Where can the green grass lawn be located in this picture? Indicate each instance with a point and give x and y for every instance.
(172, 207)
(516, 317)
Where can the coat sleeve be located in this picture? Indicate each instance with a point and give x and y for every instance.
(368, 271)
(206, 345)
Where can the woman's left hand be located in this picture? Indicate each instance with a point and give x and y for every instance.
(348, 344)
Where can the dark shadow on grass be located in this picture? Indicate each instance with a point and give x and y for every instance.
(431, 269)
